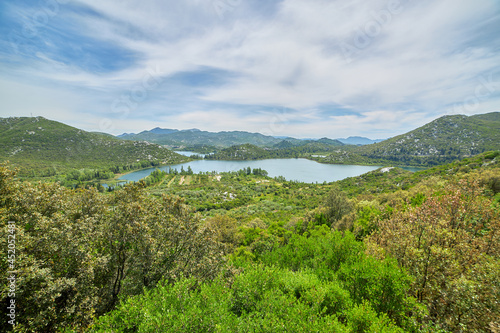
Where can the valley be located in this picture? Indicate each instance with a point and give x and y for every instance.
(252, 236)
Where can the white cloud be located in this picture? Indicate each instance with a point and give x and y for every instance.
(417, 61)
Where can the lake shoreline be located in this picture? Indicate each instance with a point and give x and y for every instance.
(122, 177)
(292, 169)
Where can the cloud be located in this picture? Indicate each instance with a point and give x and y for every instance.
(374, 68)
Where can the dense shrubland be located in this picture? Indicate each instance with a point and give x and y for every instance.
(79, 251)
(238, 252)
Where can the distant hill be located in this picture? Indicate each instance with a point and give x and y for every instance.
(240, 152)
(194, 137)
(441, 141)
(46, 146)
(158, 130)
(322, 144)
(358, 140)
(330, 142)
(284, 149)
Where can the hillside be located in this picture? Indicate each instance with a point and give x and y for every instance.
(48, 147)
(240, 152)
(283, 149)
(195, 137)
(441, 141)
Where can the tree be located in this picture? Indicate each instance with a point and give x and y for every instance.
(226, 231)
(336, 206)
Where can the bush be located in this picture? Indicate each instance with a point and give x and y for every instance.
(339, 258)
(261, 299)
(450, 245)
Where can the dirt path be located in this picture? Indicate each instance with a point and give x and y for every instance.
(171, 181)
(162, 181)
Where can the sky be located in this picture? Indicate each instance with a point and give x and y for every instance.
(300, 68)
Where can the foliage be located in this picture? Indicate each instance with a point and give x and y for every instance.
(282, 150)
(337, 205)
(387, 251)
(442, 141)
(261, 299)
(41, 147)
(449, 244)
(391, 180)
(226, 232)
(79, 251)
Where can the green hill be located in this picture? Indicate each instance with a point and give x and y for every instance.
(39, 146)
(284, 149)
(443, 140)
(241, 152)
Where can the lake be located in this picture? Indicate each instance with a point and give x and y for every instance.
(188, 153)
(299, 169)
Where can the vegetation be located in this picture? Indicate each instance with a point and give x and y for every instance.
(77, 252)
(387, 251)
(449, 244)
(41, 148)
(197, 148)
(282, 294)
(442, 141)
(284, 149)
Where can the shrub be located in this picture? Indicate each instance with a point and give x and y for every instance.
(450, 245)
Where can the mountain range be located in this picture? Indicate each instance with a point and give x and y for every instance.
(36, 143)
(358, 140)
(192, 137)
(441, 141)
(195, 137)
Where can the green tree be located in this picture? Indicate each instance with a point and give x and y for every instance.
(336, 206)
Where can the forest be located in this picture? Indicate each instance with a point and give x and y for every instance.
(391, 251)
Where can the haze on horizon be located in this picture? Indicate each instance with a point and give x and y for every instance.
(284, 68)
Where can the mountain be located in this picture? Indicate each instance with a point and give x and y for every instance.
(445, 139)
(323, 143)
(36, 143)
(158, 130)
(283, 149)
(196, 137)
(358, 140)
(331, 142)
(124, 134)
(240, 152)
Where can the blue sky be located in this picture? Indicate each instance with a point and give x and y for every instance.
(301, 68)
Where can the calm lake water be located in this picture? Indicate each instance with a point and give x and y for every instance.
(291, 168)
